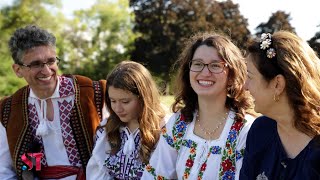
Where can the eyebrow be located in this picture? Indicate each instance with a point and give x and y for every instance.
(213, 61)
(120, 98)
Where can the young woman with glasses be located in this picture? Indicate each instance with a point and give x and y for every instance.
(205, 137)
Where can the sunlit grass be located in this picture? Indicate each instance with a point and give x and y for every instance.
(167, 101)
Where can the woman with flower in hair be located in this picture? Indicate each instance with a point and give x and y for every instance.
(131, 132)
(205, 137)
(284, 80)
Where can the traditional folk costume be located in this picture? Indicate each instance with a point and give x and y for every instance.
(181, 154)
(66, 142)
(125, 164)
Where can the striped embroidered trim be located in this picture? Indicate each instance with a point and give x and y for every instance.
(6, 112)
(98, 91)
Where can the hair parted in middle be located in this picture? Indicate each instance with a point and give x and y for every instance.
(186, 98)
(135, 78)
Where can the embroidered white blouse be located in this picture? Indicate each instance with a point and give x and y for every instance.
(125, 164)
(180, 154)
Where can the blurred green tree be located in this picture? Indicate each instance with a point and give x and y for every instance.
(163, 26)
(314, 42)
(98, 38)
(278, 21)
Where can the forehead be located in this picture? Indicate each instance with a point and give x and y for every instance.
(250, 66)
(117, 93)
(206, 53)
(39, 53)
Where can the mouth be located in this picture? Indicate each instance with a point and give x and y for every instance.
(121, 115)
(45, 78)
(205, 83)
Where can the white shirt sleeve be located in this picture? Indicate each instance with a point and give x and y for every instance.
(241, 143)
(7, 171)
(163, 159)
(95, 168)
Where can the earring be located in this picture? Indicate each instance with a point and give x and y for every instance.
(276, 98)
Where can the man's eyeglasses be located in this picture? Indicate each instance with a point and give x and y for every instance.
(215, 67)
(38, 65)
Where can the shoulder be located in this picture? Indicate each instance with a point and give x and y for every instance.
(263, 124)
(15, 98)
(176, 118)
(262, 132)
(175, 124)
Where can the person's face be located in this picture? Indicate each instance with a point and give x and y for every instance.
(125, 104)
(258, 88)
(206, 83)
(41, 80)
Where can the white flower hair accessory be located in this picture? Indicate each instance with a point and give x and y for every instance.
(265, 45)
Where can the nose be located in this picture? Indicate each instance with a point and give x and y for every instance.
(117, 107)
(45, 68)
(206, 70)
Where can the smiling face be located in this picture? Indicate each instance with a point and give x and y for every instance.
(206, 83)
(42, 81)
(259, 88)
(125, 104)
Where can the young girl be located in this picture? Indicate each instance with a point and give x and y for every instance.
(131, 132)
(206, 136)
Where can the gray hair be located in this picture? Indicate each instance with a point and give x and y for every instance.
(28, 37)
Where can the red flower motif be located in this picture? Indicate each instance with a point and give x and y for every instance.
(226, 165)
(237, 126)
(203, 167)
(182, 118)
(189, 163)
(228, 145)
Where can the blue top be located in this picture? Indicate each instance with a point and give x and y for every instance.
(266, 159)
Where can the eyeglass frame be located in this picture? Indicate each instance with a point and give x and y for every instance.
(204, 65)
(42, 64)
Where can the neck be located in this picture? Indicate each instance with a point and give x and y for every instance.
(214, 109)
(43, 95)
(283, 114)
(133, 125)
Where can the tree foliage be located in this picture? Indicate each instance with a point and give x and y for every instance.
(98, 38)
(163, 26)
(314, 42)
(278, 21)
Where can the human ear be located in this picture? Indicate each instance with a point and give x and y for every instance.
(279, 84)
(17, 70)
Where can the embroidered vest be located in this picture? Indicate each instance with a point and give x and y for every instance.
(86, 115)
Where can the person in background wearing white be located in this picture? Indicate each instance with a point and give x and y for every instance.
(131, 132)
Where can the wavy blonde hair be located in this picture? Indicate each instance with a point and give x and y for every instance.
(135, 78)
(186, 98)
(300, 66)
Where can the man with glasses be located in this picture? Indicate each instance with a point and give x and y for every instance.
(47, 127)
